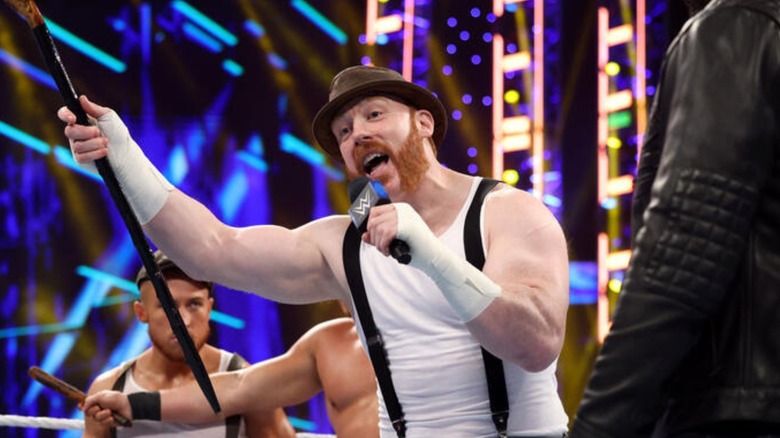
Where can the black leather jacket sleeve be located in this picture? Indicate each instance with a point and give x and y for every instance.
(707, 154)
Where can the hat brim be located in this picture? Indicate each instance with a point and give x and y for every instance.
(408, 92)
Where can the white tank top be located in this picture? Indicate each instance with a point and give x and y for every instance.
(175, 430)
(436, 363)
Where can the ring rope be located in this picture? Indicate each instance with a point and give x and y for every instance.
(68, 423)
(40, 422)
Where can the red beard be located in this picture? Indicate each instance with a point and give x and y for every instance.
(409, 159)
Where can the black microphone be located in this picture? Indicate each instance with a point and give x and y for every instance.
(363, 196)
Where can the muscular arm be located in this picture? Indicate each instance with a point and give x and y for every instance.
(272, 261)
(285, 380)
(527, 258)
(282, 381)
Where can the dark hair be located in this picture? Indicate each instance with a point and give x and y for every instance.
(167, 265)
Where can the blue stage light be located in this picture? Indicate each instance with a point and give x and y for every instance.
(232, 195)
(307, 153)
(197, 35)
(24, 138)
(86, 48)
(302, 424)
(253, 161)
(205, 22)
(254, 28)
(65, 157)
(320, 21)
(293, 145)
(277, 61)
(552, 201)
(232, 67)
(230, 321)
(105, 277)
(583, 283)
(30, 70)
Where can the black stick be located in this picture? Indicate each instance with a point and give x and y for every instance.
(28, 10)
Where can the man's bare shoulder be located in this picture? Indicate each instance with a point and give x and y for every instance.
(327, 232)
(519, 207)
(334, 334)
(106, 379)
(336, 326)
(330, 330)
(505, 193)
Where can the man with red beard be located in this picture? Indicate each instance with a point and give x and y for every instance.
(461, 348)
(162, 366)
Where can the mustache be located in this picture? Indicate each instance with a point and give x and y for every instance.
(371, 145)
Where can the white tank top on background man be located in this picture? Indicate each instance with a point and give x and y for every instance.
(216, 429)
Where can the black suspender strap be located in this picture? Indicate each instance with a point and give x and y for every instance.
(374, 342)
(236, 362)
(499, 405)
(119, 385)
(233, 423)
(494, 367)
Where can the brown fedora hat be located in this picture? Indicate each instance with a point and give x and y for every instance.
(364, 81)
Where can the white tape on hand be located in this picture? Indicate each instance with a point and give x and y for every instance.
(467, 289)
(144, 186)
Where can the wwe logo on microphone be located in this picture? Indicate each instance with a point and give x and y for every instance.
(361, 206)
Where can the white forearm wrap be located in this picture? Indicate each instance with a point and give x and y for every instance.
(468, 290)
(145, 188)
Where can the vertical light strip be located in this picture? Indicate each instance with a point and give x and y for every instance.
(640, 96)
(371, 15)
(602, 90)
(145, 14)
(498, 106)
(408, 39)
(602, 175)
(498, 8)
(602, 308)
(538, 96)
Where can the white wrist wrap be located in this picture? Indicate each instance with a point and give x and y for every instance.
(144, 186)
(468, 290)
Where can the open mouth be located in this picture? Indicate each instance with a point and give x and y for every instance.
(371, 161)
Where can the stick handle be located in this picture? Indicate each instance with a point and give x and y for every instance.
(68, 390)
(28, 10)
